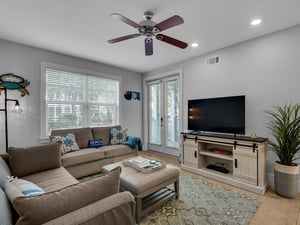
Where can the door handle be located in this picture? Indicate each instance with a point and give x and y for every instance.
(195, 154)
(235, 163)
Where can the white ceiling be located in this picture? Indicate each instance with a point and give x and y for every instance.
(82, 27)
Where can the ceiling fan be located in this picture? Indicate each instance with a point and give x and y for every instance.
(149, 29)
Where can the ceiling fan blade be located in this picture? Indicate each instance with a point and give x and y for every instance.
(123, 38)
(172, 41)
(148, 46)
(125, 20)
(170, 22)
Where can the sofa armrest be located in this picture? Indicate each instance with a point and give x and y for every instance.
(115, 209)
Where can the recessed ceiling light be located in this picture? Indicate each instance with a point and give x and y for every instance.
(195, 45)
(255, 22)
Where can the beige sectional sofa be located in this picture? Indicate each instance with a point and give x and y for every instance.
(66, 200)
(87, 160)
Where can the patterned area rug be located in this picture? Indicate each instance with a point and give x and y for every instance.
(201, 203)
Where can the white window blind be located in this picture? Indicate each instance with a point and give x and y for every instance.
(76, 100)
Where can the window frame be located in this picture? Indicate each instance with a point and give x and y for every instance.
(43, 114)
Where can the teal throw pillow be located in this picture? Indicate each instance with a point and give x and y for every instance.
(68, 141)
(117, 136)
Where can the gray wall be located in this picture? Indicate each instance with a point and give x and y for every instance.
(24, 128)
(266, 70)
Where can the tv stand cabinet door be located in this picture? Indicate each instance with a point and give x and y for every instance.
(245, 165)
(190, 153)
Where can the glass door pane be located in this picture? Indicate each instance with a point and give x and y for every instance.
(172, 113)
(155, 116)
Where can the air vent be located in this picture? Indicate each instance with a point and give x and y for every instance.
(213, 60)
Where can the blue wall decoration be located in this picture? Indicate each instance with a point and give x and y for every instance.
(132, 95)
(14, 82)
(10, 81)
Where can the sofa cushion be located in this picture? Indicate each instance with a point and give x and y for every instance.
(83, 156)
(82, 135)
(42, 208)
(4, 172)
(68, 141)
(112, 151)
(25, 161)
(52, 180)
(117, 136)
(5, 211)
(103, 133)
(15, 187)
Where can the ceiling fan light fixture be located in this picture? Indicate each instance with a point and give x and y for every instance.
(256, 22)
(149, 29)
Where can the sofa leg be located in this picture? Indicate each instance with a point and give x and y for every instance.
(138, 210)
(176, 187)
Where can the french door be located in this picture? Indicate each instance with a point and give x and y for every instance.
(164, 110)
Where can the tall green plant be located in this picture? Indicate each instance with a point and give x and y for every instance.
(284, 126)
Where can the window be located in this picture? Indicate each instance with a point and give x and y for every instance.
(74, 100)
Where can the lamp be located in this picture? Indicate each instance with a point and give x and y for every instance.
(17, 109)
(12, 82)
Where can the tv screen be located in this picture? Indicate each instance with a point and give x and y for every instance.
(221, 115)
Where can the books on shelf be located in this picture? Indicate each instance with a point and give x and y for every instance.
(219, 151)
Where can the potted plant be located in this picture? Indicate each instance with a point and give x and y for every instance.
(284, 125)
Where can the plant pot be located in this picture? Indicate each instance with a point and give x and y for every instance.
(286, 180)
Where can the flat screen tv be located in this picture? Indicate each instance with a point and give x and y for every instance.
(220, 115)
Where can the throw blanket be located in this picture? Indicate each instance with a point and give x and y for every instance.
(133, 141)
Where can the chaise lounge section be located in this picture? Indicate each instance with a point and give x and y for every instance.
(65, 200)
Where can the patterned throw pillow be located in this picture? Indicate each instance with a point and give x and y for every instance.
(95, 143)
(117, 136)
(15, 187)
(4, 172)
(69, 143)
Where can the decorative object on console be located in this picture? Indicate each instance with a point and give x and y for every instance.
(284, 125)
(12, 82)
(253, 135)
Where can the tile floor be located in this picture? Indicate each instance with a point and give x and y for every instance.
(274, 210)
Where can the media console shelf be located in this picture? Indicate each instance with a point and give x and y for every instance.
(236, 160)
